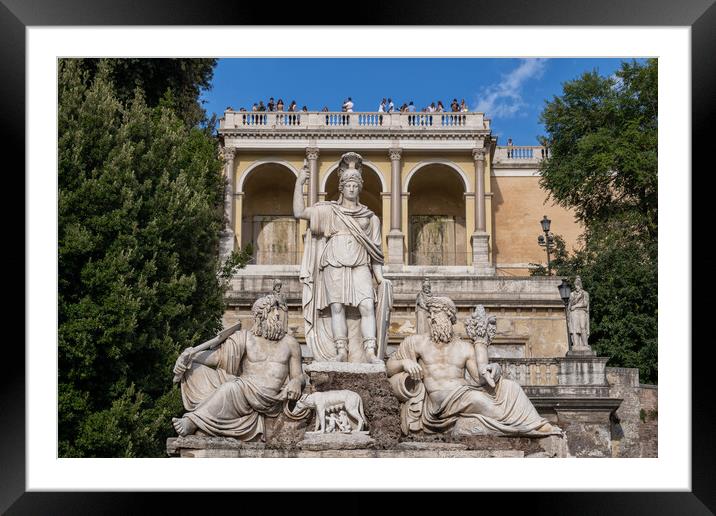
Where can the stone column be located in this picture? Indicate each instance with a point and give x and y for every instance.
(227, 242)
(395, 237)
(312, 156)
(480, 238)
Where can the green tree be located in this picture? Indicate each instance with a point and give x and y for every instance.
(140, 211)
(184, 78)
(602, 138)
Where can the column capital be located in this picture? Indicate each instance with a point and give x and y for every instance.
(228, 153)
(312, 152)
(478, 154)
(395, 154)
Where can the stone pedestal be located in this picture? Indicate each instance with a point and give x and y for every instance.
(581, 352)
(582, 370)
(395, 248)
(480, 254)
(318, 441)
(370, 382)
(337, 446)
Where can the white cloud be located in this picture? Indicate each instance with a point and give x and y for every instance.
(504, 99)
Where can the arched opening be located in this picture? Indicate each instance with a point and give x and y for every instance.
(267, 220)
(370, 195)
(436, 217)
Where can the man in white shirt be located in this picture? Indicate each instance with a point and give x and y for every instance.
(348, 105)
(391, 106)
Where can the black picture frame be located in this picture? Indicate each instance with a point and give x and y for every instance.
(700, 15)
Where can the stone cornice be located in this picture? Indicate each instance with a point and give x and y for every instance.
(424, 134)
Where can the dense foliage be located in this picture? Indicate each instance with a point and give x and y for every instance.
(184, 78)
(140, 211)
(602, 138)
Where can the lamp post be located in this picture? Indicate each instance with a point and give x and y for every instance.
(546, 241)
(564, 292)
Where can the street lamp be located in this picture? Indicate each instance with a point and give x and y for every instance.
(546, 241)
(564, 292)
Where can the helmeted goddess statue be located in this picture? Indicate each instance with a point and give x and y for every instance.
(345, 320)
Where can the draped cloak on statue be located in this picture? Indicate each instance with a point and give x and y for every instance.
(223, 403)
(340, 247)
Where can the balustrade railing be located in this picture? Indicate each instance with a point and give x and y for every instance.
(530, 371)
(277, 120)
(514, 153)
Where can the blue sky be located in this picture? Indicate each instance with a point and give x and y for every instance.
(510, 91)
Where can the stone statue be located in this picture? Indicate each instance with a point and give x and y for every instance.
(327, 401)
(331, 422)
(481, 329)
(228, 389)
(421, 308)
(281, 299)
(437, 379)
(578, 316)
(344, 423)
(344, 319)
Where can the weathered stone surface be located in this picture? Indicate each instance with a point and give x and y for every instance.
(336, 441)
(491, 445)
(204, 447)
(344, 367)
(634, 424)
(282, 432)
(417, 445)
(588, 432)
(197, 442)
(381, 408)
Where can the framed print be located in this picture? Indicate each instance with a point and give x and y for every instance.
(35, 35)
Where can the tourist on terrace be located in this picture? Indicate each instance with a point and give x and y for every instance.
(293, 106)
(348, 105)
(325, 109)
(463, 106)
(404, 108)
(454, 106)
(261, 106)
(279, 105)
(411, 107)
(391, 106)
(271, 105)
(440, 108)
(431, 107)
(509, 147)
(381, 107)
(255, 107)
(304, 109)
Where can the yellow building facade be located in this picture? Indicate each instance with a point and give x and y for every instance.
(454, 207)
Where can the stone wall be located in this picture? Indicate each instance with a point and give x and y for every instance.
(518, 205)
(635, 423)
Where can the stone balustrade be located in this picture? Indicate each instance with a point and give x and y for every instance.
(520, 154)
(531, 371)
(313, 120)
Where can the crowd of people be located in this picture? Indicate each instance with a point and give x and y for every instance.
(385, 106)
(276, 106)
